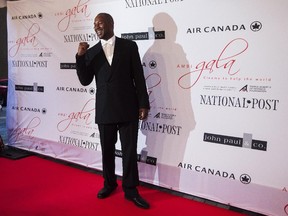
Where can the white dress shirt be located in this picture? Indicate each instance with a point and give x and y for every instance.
(108, 47)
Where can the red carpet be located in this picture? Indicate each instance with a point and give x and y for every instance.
(37, 186)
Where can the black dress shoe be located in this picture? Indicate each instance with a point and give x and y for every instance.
(139, 201)
(105, 192)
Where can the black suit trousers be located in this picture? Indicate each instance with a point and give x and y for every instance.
(128, 134)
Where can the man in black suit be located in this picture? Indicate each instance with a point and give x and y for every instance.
(121, 100)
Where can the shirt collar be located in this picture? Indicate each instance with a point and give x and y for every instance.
(111, 41)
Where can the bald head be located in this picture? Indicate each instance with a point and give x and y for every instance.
(104, 26)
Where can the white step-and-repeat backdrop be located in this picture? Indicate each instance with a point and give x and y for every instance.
(216, 72)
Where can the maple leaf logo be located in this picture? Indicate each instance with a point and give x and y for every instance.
(40, 15)
(256, 26)
(152, 64)
(245, 179)
(92, 91)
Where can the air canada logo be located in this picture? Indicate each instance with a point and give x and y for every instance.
(44, 111)
(30, 109)
(92, 91)
(220, 28)
(40, 15)
(245, 179)
(207, 170)
(152, 64)
(76, 89)
(149, 35)
(28, 16)
(256, 26)
(245, 142)
(216, 28)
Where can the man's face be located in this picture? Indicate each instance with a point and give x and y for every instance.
(103, 28)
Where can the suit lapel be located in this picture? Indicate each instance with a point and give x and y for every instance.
(117, 52)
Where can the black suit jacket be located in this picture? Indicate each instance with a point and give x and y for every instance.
(121, 88)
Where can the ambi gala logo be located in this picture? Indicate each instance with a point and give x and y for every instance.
(27, 41)
(79, 9)
(27, 130)
(244, 142)
(225, 62)
(84, 117)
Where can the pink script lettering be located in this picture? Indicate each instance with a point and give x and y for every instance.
(80, 8)
(30, 38)
(225, 60)
(26, 131)
(84, 115)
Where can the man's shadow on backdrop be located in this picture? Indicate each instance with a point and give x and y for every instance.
(171, 112)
